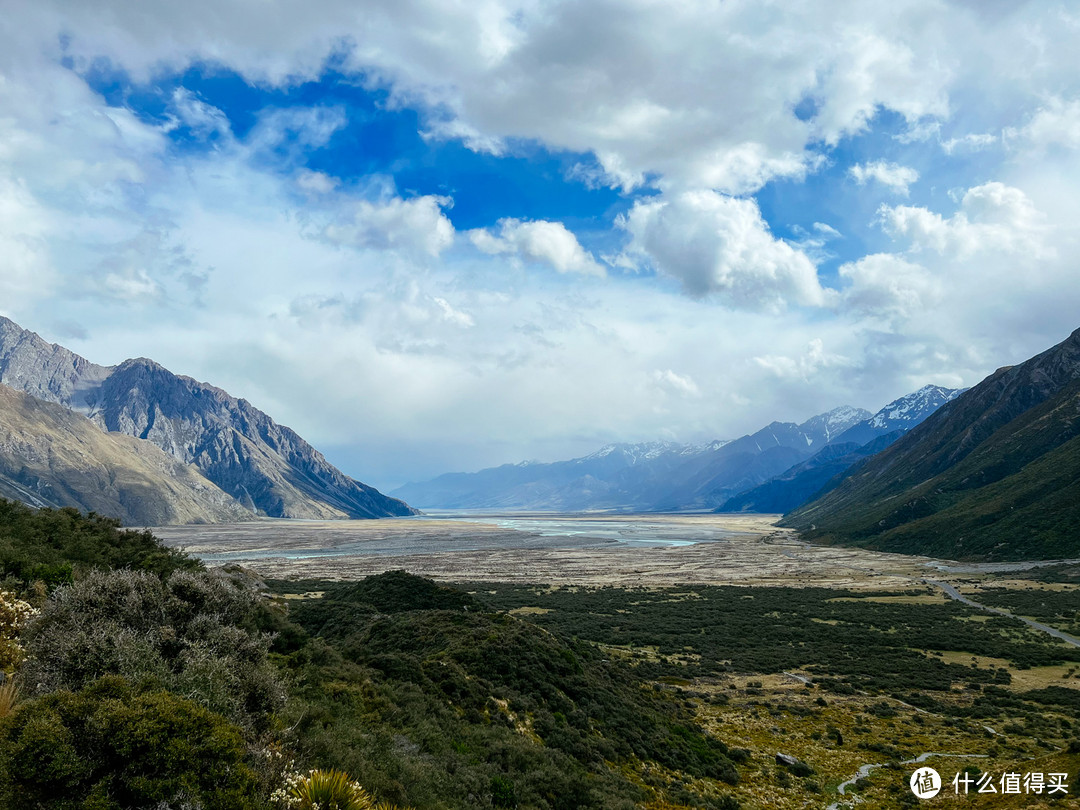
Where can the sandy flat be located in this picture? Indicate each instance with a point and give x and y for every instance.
(651, 550)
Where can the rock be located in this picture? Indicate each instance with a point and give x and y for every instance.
(262, 465)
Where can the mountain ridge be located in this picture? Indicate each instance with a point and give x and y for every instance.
(993, 474)
(266, 467)
(646, 476)
(808, 479)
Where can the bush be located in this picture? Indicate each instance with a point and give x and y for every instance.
(109, 747)
(14, 615)
(52, 545)
(191, 634)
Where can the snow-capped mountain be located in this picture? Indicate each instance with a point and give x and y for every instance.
(900, 414)
(644, 476)
(846, 447)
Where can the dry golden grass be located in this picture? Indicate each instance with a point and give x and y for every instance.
(9, 697)
(1022, 679)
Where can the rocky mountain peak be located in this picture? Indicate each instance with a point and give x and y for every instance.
(238, 447)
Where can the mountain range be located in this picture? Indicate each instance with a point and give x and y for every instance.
(800, 483)
(654, 476)
(253, 465)
(993, 474)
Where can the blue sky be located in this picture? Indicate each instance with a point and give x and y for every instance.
(432, 237)
(528, 180)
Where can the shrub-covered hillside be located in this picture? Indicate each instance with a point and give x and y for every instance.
(51, 545)
(139, 679)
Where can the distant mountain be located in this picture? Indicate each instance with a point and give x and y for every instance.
(640, 477)
(606, 478)
(52, 456)
(994, 474)
(796, 485)
(266, 467)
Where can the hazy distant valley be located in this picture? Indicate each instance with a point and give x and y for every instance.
(663, 476)
(630, 629)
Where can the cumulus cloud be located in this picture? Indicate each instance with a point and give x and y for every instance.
(707, 96)
(886, 285)
(992, 217)
(716, 245)
(692, 94)
(896, 177)
(537, 241)
(414, 226)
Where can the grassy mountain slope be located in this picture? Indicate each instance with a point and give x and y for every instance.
(995, 474)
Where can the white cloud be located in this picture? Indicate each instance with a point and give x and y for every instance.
(973, 142)
(454, 316)
(889, 286)
(299, 129)
(716, 245)
(1056, 123)
(201, 118)
(538, 240)
(414, 226)
(456, 129)
(696, 94)
(677, 383)
(132, 285)
(896, 177)
(993, 217)
(804, 366)
(316, 182)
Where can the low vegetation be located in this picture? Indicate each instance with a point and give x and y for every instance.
(51, 546)
(141, 680)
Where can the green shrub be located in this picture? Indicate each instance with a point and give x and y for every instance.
(51, 545)
(108, 747)
(192, 634)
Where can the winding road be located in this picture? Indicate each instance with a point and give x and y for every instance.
(952, 593)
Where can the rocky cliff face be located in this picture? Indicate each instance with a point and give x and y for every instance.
(266, 467)
(52, 456)
(45, 370)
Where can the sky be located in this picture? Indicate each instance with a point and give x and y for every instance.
(433, 235)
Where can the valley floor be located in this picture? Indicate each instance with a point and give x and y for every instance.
(853, 661)
(567, 549)
(659, 550)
